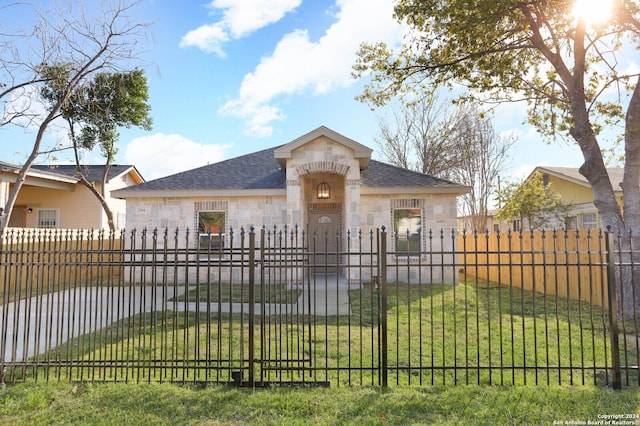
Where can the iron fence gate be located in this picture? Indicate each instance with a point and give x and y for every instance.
(265, 308)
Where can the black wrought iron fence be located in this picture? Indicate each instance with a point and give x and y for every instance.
(281, 306)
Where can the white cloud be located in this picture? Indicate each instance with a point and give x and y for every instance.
(257, 116)
(298, 64)
(207, 37)
(239, 19)
(162, 155)
(244, 17)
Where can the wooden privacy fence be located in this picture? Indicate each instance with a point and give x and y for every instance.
(33, 258)
(569, 263)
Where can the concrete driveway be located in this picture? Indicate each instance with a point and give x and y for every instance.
(38, 324)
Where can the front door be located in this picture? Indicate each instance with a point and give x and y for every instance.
(324, 237)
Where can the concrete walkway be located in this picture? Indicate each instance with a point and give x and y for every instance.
(328, 296)
(38, 324)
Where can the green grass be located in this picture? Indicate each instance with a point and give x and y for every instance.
(238, 293)
(472, 333)
(469, 325)
(165, 404)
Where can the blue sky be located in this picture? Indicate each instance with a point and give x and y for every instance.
(229, 77)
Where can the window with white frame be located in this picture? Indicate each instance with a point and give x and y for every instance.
(47, 218)
(407, 224)
(211, 227)
(571, 222)
(588, 221)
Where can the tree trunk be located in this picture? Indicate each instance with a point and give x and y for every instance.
(103, 192)
(595, 171)
(100, 195)
(103, 202)
(626, 227)
(630, 274)
(22, 175)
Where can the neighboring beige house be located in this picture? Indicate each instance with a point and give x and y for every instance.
(54, 197)
(322, 181)
(575, 192)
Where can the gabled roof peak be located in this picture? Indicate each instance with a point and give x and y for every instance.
(616, 175)
(361, 152)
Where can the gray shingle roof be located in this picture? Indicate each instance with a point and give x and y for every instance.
(379, 174)
(260, 170)
(92, 172)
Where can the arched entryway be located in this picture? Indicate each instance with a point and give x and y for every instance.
(324, 195)
(325, 233)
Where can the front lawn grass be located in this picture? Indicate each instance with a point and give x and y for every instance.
(470, 333)
(166, 404)
(238, 293)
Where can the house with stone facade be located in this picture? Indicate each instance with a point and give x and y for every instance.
(322, 183)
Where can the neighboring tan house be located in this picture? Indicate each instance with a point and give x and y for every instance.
(54, 197)
(492, 224)
(321, 181)
(575, 192)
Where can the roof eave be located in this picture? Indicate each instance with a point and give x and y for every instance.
(135, 175)
(386, 190)
(191, 193)
(557, 174)
(41, 179)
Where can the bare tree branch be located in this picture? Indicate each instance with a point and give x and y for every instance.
(69, 39)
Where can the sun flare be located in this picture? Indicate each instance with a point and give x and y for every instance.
(592, 11)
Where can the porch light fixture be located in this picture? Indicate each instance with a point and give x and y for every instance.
(323, 191)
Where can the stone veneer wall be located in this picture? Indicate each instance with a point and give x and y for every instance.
(181, 213)
(439, 210)
(323, 156)
(438, 217)
(439, 214)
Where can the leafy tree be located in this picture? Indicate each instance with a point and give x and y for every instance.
(567, 69)
(64, 50)
(532, 50)
(93, 114)
(530, 200)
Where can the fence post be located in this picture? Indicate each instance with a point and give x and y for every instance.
(383, 308)
(613, 311)
(5, 271)
(263, 319)
(252, 305)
